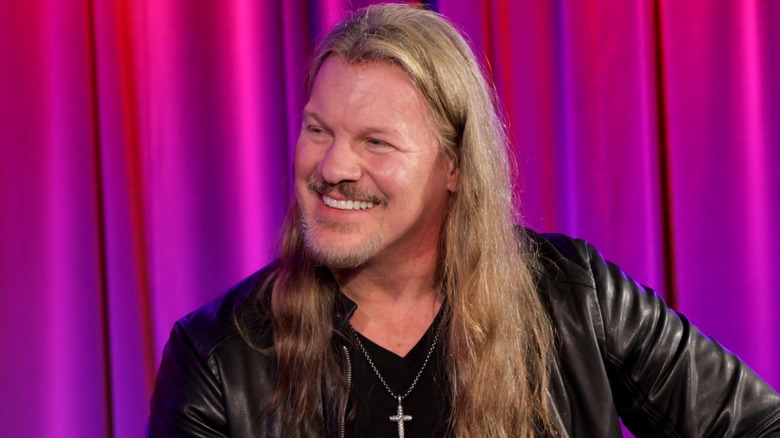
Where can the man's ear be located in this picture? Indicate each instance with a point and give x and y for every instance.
(453, 176)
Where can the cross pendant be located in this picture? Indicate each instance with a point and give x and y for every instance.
(400, 418)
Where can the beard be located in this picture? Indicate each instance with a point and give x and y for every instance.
(334, 254)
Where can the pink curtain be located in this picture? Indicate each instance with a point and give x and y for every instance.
(146, 148)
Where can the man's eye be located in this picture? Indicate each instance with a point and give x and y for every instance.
(317, 133)
(379, 145)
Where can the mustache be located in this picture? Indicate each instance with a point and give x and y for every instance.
(348, 189)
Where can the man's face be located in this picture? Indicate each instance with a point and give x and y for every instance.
(370, 179)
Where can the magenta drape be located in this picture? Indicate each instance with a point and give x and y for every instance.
(146, 151)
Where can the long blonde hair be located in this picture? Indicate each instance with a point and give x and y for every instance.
(498, 342)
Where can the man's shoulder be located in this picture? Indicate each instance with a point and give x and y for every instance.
(562, 258)
(214, 323)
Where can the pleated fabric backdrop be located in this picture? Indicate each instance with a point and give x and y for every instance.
(146, 153)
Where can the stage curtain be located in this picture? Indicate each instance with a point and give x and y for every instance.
(146, 157)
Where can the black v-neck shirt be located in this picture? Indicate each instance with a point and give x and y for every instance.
(373, 405)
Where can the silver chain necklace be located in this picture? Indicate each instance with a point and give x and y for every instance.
(399, 417)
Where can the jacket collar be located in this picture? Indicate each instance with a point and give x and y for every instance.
(344, 310)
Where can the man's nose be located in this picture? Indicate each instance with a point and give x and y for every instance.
(340, 163)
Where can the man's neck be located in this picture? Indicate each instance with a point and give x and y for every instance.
(396, 303)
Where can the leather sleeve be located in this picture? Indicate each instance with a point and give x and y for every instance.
(667, 378)
(187, 399)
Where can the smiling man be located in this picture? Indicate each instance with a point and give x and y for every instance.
(407, 302)
(371, 180)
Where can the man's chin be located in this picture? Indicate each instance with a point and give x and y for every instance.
(336, 255)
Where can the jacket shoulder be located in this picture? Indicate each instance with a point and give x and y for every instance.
(562, 258)
(214, 324)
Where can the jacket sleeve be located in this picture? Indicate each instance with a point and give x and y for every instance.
(667, 378)
(187, 399)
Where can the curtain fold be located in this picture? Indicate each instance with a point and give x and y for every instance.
(52, 329)
(724, 159)
(147, 151)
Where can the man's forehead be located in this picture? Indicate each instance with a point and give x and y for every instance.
(377, 94)
(367, 81)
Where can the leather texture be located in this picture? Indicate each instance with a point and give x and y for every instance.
(621, 353)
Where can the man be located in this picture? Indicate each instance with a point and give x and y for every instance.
(406, 301)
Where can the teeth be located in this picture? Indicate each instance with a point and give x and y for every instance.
(347, 205)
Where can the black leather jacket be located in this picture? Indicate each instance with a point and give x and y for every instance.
(622, 352)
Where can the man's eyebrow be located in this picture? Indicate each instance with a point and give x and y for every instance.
(365, 132)
(313, 115)
(373, 130)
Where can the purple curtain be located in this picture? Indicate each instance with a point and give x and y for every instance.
(146, 152)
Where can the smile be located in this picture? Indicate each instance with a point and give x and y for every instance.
(347, 205)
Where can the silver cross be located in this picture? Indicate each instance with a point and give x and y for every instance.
(400, 418)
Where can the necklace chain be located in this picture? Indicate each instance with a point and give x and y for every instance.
(381, 379)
